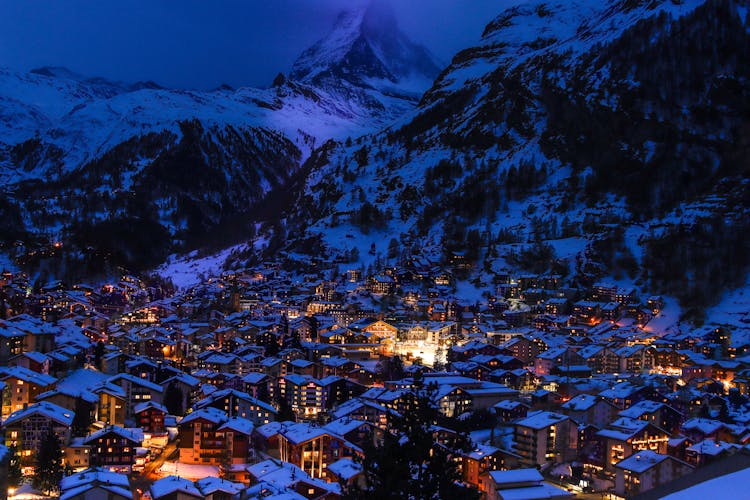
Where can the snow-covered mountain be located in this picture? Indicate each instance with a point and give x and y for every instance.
(366, 48)
(594, 134)
(76, 150)
(589, 138)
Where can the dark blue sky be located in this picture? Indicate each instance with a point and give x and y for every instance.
(202, 43)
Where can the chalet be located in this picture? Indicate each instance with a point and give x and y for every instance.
(625, 436)
(209, 437)
(523, 348)
(624, 394)
(355, 431)
(547, 360)
(257, 385)
(304, 394)
(466, 351)
(509, 410)
(26, 429)
(11, 342)
(137, 390)
(586, 312)
(520, 379)
(709, 451)
(545, 437)
(22, 386)
(645, 470)
(77, 454)
(32, 360)
(381, 284)
(214, 488)
(347, 473)
(112, 404)
(522, 483)
(634, 358)
(337, 365)
(239, 404)
(699, 429)
(274, 479)
(188, 387)
(304, 367)
(659, 414)
(590, 410)
(96, 483)
(313, 448)
(149, 416)
(361, 409)
(477, 463)
(174, 488)
(113, 447)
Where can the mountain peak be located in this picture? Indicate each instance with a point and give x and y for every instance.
(367, 48)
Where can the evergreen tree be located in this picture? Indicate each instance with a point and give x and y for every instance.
(390, 368)
(82, 418)
(285, 411)
(409, 463)
(49, 468)
(98, 355)
(173, 399)
(225, 466)
(439, 363)
(15, 476)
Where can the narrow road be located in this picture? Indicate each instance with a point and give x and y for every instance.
(150, 472)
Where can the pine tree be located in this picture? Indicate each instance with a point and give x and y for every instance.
(82, 418)
(409, 463)
(285, 411)
(98, 355)
(49, 468)
(15, 476)
(173, 399)
(225, 467)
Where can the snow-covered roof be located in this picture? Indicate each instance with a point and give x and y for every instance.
(140, 407)
(641, 461)
(26, 375)
(50, 410)
(209, 485)
(623, 428)
(541, 419)
(510, 477)
(211, 414)
(711, 447)
(703, 425)
(345, 468)
(134, 435)
(94, 475)
(582, 402)
(173, 484)
(344, 425)
(238, 424)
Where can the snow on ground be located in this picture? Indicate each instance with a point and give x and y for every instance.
(6, 263)
(668, 319)
(81, 379)
(481, 435)
(732, 485)
(467, 292)
(734, 308)
(188, 471)
(186, 271)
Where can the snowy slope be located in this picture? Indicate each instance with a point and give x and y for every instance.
(573, 119)
(80, 156)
